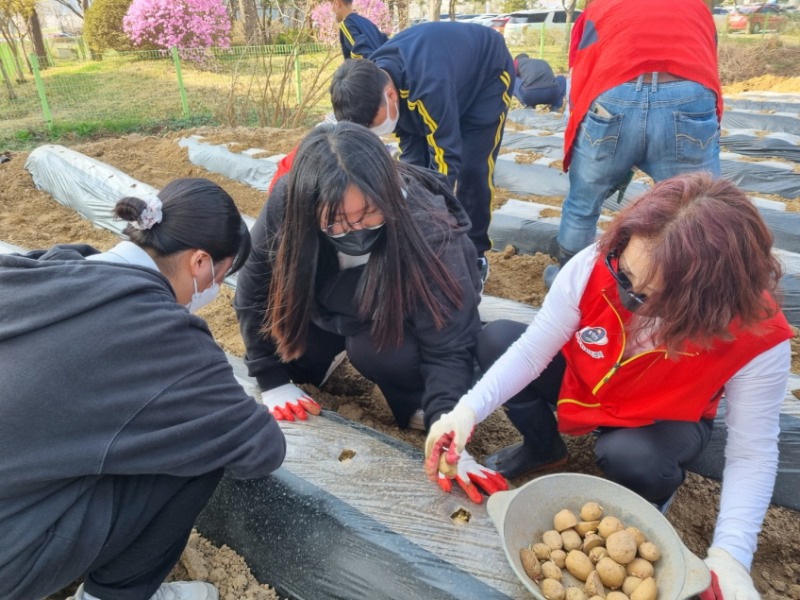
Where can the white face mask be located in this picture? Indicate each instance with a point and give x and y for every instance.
(206, 297)
(388, 124)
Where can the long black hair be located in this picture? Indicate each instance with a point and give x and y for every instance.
(404, 273)
(195, 213)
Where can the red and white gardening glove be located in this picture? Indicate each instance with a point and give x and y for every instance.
(729, 579)
(287, 402)
(446, 459)
(473, 477)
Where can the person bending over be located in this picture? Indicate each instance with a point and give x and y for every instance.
(120, 412)
(638, 340)
(355, 252)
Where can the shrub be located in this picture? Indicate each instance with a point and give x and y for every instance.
(185, 24)
(327, 29)
(102, 26)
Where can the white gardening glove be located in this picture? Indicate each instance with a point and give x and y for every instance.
(288, 401)
(446, 439)
(729, 579)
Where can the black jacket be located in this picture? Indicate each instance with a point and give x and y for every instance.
(103, 373)
(447, 354)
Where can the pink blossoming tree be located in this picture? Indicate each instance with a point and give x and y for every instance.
(327, 29)
(185, 24)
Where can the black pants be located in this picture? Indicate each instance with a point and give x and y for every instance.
(649, 460)
(152, 518)
(481, 135)
(395, 371)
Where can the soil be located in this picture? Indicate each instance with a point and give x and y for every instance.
(32, 219)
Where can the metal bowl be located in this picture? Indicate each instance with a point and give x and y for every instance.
(524, 514)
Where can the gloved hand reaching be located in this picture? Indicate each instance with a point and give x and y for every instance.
(729, 579)
(471, 476)
(448, 435)
(288, 401)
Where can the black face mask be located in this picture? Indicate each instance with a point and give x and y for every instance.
(628, 301)
(357, 242)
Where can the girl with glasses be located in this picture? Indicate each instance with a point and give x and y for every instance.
(638, 340)
(355, 252)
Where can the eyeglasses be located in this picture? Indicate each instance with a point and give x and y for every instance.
(368, 221)
(612, 258)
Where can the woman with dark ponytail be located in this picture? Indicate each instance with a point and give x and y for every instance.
(114, 446)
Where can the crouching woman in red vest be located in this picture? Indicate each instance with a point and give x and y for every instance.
(639, 338)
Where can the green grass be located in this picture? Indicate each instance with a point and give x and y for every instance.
(127, 90)
(255, 86)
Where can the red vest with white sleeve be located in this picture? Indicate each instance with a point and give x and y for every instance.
(601, 388)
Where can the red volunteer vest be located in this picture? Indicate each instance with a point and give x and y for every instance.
(617, 40)
(600, 388)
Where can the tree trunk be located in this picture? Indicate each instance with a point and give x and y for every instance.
(85, 5)
(7, 82)
(402, 14)
(249, 15)
(435, 10)
(569, 7)
(37, 38)
(12, 46)
(451, 10)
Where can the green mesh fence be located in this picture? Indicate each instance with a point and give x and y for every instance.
(250, 85)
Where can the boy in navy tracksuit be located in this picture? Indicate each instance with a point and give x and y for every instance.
(358, 36)
(444, 89)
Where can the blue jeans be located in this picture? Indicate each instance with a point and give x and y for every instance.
(664, 129)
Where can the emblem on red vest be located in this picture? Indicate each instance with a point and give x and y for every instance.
(592, 336)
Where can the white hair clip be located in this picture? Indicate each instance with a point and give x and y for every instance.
(150, 215)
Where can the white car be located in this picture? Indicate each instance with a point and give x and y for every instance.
(523, 24)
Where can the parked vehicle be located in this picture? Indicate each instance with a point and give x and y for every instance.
(754, 19)
(499, 23)
(521, 23)
(720, 15)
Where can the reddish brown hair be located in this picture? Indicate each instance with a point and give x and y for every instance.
(713, 252)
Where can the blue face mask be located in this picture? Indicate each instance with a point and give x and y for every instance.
(357, 242)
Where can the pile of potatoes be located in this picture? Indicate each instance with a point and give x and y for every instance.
(598, 550)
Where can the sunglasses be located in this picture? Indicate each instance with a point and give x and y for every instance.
(612, 262)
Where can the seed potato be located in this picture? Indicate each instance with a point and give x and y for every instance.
(595, 554)
(564, 519)
(574, 593)
(612, 574)
(542, 551)
(530, 564)
(637, 535)
(639, 567)
(585, 527)
(621, 546)
(552, 539)
(559, 557)
(646, 590)
(591, 511)
(553, 590)
(630, 584)
(616, 596)
(579, 565)
(649, 551)
(551, 571)
(609, 525)
(594, 585)
(570, 540)
(592, 540)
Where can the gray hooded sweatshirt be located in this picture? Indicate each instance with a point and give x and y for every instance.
(103, 373)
